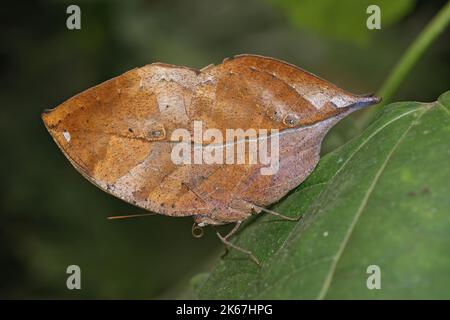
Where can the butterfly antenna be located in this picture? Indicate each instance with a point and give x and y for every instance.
(131, 216)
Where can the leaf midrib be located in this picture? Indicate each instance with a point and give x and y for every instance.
(335, 261)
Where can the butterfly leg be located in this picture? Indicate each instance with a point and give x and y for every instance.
(228, 244)
(278, 214)
(235, 228)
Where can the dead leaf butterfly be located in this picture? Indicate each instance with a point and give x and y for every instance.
(218, 144)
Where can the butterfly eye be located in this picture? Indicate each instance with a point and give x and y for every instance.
(291, 120)
(197, 231)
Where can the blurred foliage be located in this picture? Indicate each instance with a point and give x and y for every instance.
(52, 217)
(342, 19)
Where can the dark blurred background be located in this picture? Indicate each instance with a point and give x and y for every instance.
(51, 217)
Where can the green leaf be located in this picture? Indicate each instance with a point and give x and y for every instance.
(345, 19)
(382, 199)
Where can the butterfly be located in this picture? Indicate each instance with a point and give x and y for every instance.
(121, 136)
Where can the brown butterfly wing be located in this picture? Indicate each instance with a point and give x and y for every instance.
(118, 134)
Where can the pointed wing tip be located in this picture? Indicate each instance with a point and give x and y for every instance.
(366, 100)
(45, 113)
